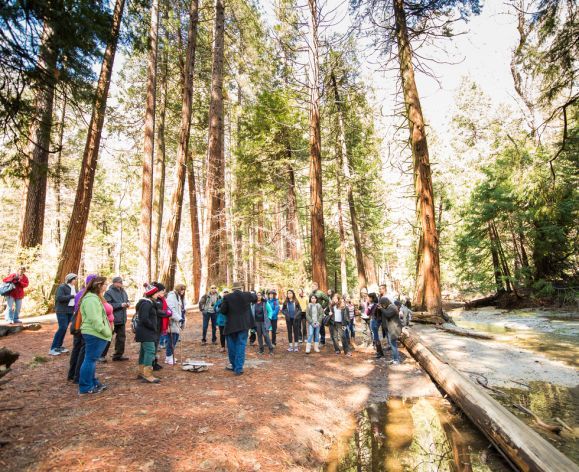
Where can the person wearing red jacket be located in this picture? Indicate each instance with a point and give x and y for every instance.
(15, 296)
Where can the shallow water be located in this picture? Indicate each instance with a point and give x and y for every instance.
(548, 402)
(422, 435)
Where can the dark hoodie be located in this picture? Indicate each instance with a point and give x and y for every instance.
(147, 324)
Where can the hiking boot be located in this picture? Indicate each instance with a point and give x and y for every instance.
(148, 375)
(140, 372)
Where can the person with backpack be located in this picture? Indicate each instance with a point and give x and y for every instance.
(77, 353)
(147, 332)
(64, 307)
(259, 311)
(273, 313)
(119, 300)
(96, 332)
(16, 283)
(315, 318)
(207, 308)
(292, 311)
(221, 320)
(388, 313)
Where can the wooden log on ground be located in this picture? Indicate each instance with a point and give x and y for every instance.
(479, 302)
(525, 449)
(13, 329)
(449, 328)
(423, 317)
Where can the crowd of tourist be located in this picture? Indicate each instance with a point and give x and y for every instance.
(97, 313)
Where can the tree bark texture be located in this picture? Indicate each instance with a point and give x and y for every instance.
(173, 227)
(160, 164)
(496, 264)
(342, 233)
(430, 257)
(214, 191)
(195, 233)
(318, 240)
(58, 174)
(145, 265)
(72, 248)
(293, 241)
(362, 280)
(38, 149)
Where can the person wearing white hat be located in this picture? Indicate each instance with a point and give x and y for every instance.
(64, 308)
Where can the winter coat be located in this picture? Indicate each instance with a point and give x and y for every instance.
(345, 315)
(63, 297)
(175, 304)
(266, 320)
(315, 313)
(297, 309)
(20, 283)
(116, 297)
(221, 319)
(237, 307)
(274, 307)
(148, 321)
(94, 318)
(391, 319)
(203, 302)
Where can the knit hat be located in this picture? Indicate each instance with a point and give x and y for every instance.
(159, 285)
(150, 290)
(117, 280)
(70, 277)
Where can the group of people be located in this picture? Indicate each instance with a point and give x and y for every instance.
(98, 312)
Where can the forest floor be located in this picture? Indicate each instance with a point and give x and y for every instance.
(284, 413)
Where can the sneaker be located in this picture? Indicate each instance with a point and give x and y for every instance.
(62, 349)
(338, 353)
(204, 342)
(102, 360)
(228, 367)
(290, 349)
(391, 362)
(101, 387)
(92, 391)
(271, 352)
(54, 352)
(239, 373)
(349, 354)
(120, 359)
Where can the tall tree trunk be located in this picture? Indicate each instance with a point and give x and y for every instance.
(72, 248)
(145, 274)
(195, 234)
(418, 300)
(362, 280)
(342, 233)
(174, 223)
(496, 264)
(58, 174)
(293, 241)
(160, 159)
(38, 149)
(503, 260)
(318, 239)
(215, 153)
(430, 262)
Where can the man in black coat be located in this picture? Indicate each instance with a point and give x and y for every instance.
(236, 306)
(119, 300)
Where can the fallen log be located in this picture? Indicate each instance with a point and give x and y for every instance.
(464, 332)
(525, 449)
(13, 329)
(480, 302)
(423, 317)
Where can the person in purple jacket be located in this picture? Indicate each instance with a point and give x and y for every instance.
(77, 353)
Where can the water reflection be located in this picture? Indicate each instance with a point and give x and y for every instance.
(421, 435)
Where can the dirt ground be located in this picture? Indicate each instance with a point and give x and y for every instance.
(283, 414)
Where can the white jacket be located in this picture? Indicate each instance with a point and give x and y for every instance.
(176, 306)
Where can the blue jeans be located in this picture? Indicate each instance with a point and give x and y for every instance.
(13, 306)
(172, 340)
(213, 317)
(352, 329)
(236, 343)
(313, 334)
(94, 348)
(394, 345)
(63, 322)
(374, 326)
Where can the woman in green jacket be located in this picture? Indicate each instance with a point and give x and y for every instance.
(96, 333)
